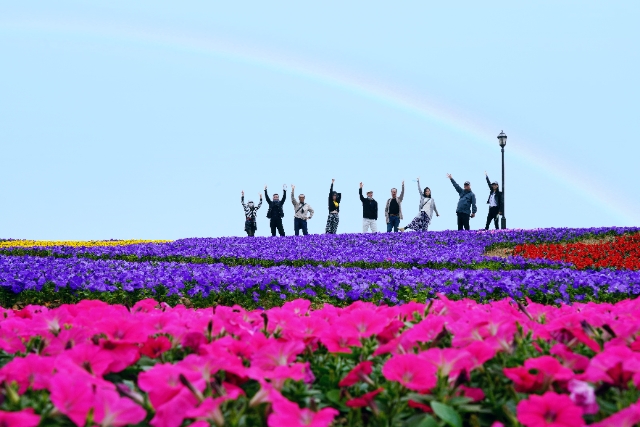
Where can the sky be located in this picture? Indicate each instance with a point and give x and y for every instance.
(147, 119)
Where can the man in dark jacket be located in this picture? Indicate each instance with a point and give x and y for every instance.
(466, 203)
(369, 212)
(494, 201)
(276, 212)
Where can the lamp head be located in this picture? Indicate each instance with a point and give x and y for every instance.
(502, 139)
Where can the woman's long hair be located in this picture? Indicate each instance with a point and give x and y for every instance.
(424, 192)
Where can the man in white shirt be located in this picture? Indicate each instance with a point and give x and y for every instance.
(302, 212)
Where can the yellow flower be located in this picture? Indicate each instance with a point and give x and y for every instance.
(40, 243)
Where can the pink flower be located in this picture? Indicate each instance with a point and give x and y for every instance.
(615, 365)
(549, 410)
(628, 417)
(571, 360)
(449, 361)
(208, 410)
(364, 400)
(584, 396)
(72, 395)
(276, 353)
(425, 331)
(168, 395)
(337, 343)
(24, 418)
(287, 413)
(411, 371)
(30, 371)
(538, 374)
(361, 323)
(357, 374)
(113, 410)
(89, 357)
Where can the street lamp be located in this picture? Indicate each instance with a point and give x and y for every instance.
(502, 138)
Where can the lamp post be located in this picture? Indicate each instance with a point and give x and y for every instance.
(502, 139)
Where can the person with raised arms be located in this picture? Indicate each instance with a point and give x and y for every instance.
(250, 212)
(369, 212)
(393, 210)
(334, 211)
(466, 204)
(302, 212)
(276, 212)
(494, 201)
(427, 207)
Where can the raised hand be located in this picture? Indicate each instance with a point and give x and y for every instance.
(265, 187)
(403, 183)
(360, 185)
(449, 176)
(485, 173)
(260, 196)
(293, 187)
(284, 186)
(242, 193)
(333, 180)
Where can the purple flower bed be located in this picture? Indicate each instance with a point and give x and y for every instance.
(445, 247)
(333, 284)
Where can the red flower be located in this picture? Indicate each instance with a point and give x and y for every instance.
(364, 400)
(357, 374)
(154, 347)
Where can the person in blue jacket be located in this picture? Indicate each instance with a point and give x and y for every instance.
(466, 204)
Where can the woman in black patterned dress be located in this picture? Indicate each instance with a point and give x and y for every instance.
(250, 212)
(334, 211)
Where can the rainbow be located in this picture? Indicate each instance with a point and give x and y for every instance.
(359, 85)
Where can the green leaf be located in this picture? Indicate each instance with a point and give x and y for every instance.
(333, 396)
(421, 421)
(447, 414)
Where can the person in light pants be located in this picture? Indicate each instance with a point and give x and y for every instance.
(369, 212)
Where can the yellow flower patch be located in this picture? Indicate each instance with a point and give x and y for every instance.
(36, 243)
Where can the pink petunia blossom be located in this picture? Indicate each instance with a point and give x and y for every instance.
(208, 410)
(615, 365)
(24, 418)
(628, 417)
(30, 371)
(357, 374)
(537, 374)
(571, 360)
(361, 323)
(73, 396)
(111, 410)
(584, 396)
(411, 371)
(549, 410)
(337, 343)
(449, 361)
(287, 413)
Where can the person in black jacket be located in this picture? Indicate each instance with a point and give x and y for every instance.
(276, 212)
(494, 201)
(369, 212)
(334, 211)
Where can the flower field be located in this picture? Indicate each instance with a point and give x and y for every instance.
(415, 329)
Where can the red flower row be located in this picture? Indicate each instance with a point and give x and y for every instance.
(623, 253)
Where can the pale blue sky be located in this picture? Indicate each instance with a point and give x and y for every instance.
(146, 119)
